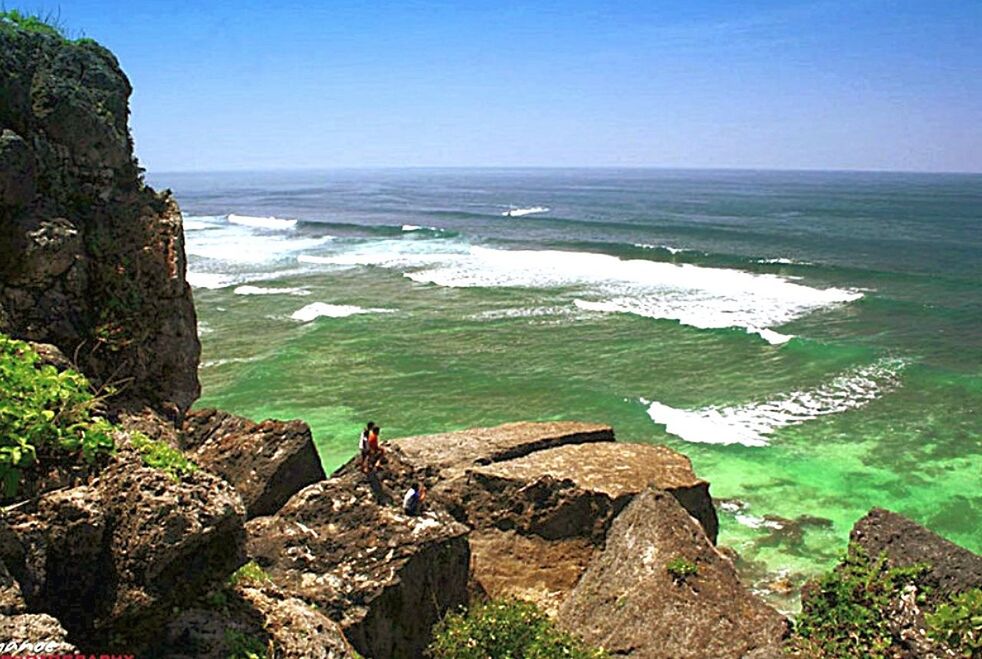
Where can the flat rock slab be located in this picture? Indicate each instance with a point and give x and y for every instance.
(953, 569)
(266, 462)
(629, 603)
(617, 471)
(451, 453)
(385, 577)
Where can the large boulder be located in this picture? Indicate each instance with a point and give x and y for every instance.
(267, 462)
(91, 259)
(253, 617)
(630, 602)
(386, 578)
(111, 559)
(35, 634)
(951, 569)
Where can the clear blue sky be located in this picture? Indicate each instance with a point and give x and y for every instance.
(849, 84)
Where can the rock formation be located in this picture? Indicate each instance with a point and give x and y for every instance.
(630, 602)
(266, 462)
(91, 259)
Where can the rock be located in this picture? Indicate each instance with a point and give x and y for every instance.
(34, 629)
(91, 259)
(953, 569)
(286, 627)
(384, 577)
(11, 597)
(130, 546)
(629, 603)
(266, 462)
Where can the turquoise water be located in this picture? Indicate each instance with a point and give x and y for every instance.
(811, 340)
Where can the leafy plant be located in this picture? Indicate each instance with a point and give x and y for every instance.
(250, 573)
(163, 456)
(847, 615)
(680, 568)
(243, 646)
(505, 628)
(958, 623)
(45, 413)
(32, 22)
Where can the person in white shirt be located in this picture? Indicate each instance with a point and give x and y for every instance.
(412, 503)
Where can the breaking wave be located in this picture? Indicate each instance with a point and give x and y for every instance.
(322, 309)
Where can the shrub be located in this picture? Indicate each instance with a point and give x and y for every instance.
(958, 623)
(680, 568)
(44, 24)
(250, 573)
(163, 456)
(505, 628)
(44, 413)
(847, 613)
(243, 646)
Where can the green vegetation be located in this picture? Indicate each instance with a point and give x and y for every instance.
(508, 629)
(244, 646)
(163, 456)
(45, 414)
(250, 573)
(48, 23)
(680, 568)
(847, 614)
(958, 623)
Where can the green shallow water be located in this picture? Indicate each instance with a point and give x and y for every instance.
(887, 388)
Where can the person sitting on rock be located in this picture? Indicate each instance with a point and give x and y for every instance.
(363, 446)
(412, 503)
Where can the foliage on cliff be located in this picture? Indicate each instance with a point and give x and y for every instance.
(958, 623)
(44, 413)
(505, 628)
(848, 612)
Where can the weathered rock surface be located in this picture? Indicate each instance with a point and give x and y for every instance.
(36, 628)
(953, 569)
(384, 577)
(91, 259)
(113, 557)
(286, 627)
(267, 462)
(628, 602)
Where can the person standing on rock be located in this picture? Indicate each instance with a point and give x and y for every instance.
(363, 446)
(375, 452)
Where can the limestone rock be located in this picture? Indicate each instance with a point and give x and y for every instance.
(629, 603)
(266, 462)
(384, 577)
(34, 628)
(112, 558)
(91, 259)
(953, 569)
(11, 598)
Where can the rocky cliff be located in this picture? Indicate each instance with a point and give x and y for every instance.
(91, 259)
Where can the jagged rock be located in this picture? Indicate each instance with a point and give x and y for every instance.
(386, 578)
(629, 603)
(112, 558)
(91, 259)
(11, 598)
(34, 629)
(267, 462)
(952, 569)
(287, 627)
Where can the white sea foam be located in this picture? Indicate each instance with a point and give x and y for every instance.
(782, 261)
(521, 212)
(769, 335)
(752, 423)
(411, 227)
(269, 290)
(693, 295)
(319, 309)
(202, 222)
(270, 223)
(209, 280)
(667, 248)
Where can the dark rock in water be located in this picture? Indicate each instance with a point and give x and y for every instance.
(267, 462)
(91, 259)
(953, 569)
(111, 559)
(385, 577)
(36, 628)
(630, 603)
(257, 617)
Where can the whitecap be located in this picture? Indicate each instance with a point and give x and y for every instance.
(751, 424)
(667, 248)
(411, 227)
(269, 290)
(521, 212)
(212, 280)
(769, 335)
(271, 223)
(319, 309)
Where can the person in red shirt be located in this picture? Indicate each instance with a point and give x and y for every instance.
(375, 451)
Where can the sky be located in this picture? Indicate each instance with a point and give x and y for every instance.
(853, 84)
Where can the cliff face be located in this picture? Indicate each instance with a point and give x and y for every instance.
(91, 259)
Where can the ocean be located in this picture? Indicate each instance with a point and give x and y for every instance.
(811, 340)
